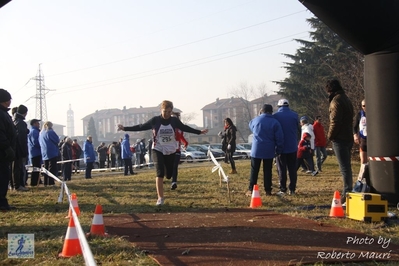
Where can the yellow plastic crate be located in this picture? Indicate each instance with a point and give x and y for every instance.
(367, 207)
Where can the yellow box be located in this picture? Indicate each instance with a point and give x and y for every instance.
(367, 207)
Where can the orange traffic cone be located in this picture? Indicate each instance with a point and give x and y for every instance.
(97, 225)
(71, 244)
(74, 200)
(255, 200)
(336, 206)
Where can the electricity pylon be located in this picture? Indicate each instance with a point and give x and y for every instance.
(41, 91)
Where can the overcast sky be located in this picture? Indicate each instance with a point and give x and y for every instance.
(110, 54)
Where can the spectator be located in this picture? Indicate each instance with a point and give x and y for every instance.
(8, 137)
(35, 153)
(268, 140)
(66, 155)
(229, 143)
(360, 133)
(127, 155)
(89, 156)
(102, 154)
(304, 154)
(181, 141)
(119, 153)
(113, 153)
(76, 153)
(149, 149)
(21, 152)
(163, 129)
(143, 152)
(319, 143)
(287, 159)
(340, 131)
(49, 140)
(137, 148)
(306, 127)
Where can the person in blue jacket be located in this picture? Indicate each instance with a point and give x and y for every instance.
(89, 156)
(126, 154)
(268, 140)
(35, 152)
(287, 159)
(48, 141)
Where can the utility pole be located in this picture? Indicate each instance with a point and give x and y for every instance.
(41, 108)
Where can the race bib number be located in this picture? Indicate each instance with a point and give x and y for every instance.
(166, 135)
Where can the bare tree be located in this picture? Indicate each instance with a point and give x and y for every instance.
(187, 118)
(246, 93)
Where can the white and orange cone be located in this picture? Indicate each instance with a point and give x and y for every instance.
(336, 206)
(256, 201)
(74, 201)
(71, 244)
(97, 225)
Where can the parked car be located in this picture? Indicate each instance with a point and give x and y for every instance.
(247, 146)
(243, 149)
(237, 154)
(194, 155)
(218, 154)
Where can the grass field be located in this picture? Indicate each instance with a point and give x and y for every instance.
(38, 212)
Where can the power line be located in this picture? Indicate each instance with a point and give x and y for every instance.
(167, 71)
(177, 46)
(165, 29)
(183, 63)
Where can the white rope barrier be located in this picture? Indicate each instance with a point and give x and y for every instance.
(86, 251)
(70, 161)
(221, 173)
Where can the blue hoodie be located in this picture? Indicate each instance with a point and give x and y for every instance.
(125, 147)
(290, 124)
(33, 142)
(49, 140)
(268, 137)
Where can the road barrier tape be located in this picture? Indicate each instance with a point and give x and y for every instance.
(384, 159)
(218, 168)
(221, 173)
(70, 161)
(86, 251)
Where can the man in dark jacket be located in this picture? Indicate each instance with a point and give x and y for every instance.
(286, 161)
(340, 131)
(102, 154)
(21, 152)
(7, 148)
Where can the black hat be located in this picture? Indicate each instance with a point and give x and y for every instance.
(267, 108)
(5, 96)
(22, 109)
(33, 121)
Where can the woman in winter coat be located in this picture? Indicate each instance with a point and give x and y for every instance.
(229, 143)
(49, 140)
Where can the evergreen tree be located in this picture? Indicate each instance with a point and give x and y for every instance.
(91, 130)
(325, 57)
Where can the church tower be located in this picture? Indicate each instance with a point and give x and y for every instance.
(70, 123)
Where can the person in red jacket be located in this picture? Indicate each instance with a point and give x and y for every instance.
(320, 142)
(304, 153)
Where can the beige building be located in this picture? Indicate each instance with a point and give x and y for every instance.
(239, 110)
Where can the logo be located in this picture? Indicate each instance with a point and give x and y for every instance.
(21, 246)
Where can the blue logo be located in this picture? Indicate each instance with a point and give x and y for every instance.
(21, 246)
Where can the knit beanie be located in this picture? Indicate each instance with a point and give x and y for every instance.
(22, 109)
(5, 96)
